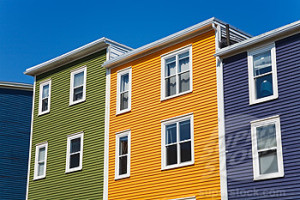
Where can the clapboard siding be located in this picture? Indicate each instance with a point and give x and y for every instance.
(63, 120)
(238, 114)
(15, 120)
(147, 180)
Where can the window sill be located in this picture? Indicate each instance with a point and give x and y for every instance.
(73, 170)
(269, 176)
(265, 99)
(43, 113)
(178, 166)
(39, 178)
(122, 177)
(76, 102)
(176, 95)
(123, 112)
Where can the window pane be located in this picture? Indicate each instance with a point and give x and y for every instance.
(268, 162)
(171, 154)
(262, 63)
(185, 130)
(184, 84)
(185, 152)
(170, 66)
(75, 145)
(78, 79)
(124, 82)
(266, 136)
(171, 86)
(264, 86)
(45, 104)
(41, 156)
(124, 101)
(171, 134)
(41, 167)
(45, 92)
(123, 147)
(184, 62)
(74, 160)
(78, 93)
(123, 165)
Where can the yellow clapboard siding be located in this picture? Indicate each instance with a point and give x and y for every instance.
(147, 180)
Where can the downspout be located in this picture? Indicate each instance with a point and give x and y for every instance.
(221, 117)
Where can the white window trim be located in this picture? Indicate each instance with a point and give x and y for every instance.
(163, 141)
(251, 82)
(71, 137)
(42, 84)
(255, 157)
(118, 136)
(73, 73)
(37, 148)
(163, 84)
(120, 73)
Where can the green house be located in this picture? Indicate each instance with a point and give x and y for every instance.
(66, 159)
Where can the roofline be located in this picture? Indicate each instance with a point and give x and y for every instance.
(73, 55)
(188, 32)
(286, 30)
(16, 86)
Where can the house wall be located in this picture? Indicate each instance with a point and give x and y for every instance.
(238, 114)
(63, 120)
(15, 120)
(147, 180)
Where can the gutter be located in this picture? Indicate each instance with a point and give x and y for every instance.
(16, 86)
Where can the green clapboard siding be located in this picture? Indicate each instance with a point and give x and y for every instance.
(64, 120)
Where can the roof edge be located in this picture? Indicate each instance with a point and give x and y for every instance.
(273, 34)
(14, 85)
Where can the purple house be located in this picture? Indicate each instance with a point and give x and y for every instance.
(259, 95)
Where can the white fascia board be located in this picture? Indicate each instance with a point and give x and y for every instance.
(73, 55)
(286, 30)
(16, 86)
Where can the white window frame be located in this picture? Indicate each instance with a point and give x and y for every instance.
(173, 120)
(262, 122)
(163, 62)
(120, 73)
(42, 84)
(73, 73)
(118, 136)
(251, 82)
(71, 137)
(37, 149)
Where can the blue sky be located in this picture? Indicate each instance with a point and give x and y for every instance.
(34, 31)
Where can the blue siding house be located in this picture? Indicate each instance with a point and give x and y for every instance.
(15, 120)
(261, 105)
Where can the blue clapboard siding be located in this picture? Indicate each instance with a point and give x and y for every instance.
(15, 119)
(238, 114)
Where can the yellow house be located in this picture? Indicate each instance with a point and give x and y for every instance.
(162, 131)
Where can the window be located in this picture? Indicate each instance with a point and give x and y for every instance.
(74, 152)
(44, 102)
(177, 142)
(262, 74)
(40, 160)
(124, 91)
(266, 148)
(122, 168)
(176, 73)
(78, 86)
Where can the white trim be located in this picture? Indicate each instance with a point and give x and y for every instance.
(119, 74)
(30, 143)
(37, 149)
(186, 198)
(73, 73)
(42, 84)
(163, 139)
(221, 119)
(252, 88)
(106, 140)
(176, 52)
(255, 157)
(275, 34)
(118, 136)
(69, 138)
(16, 86)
